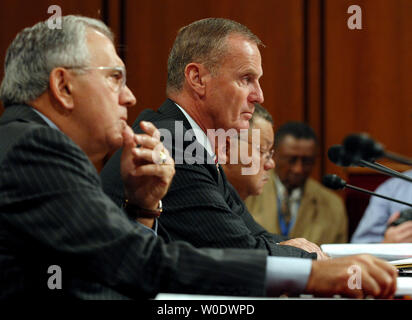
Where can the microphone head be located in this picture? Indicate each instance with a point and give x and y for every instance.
(333, 181)
(338, 156)
(372, 150)
(362, 147)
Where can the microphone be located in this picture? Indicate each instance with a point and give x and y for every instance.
(362, 146)
(340, 157)
(334, 182)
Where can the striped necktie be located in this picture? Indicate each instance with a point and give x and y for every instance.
(285, 208)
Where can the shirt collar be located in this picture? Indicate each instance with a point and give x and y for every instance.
(296, 193)
(200, 135)
(47, 120)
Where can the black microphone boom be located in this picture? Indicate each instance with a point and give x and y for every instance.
(334, 182)
(385, 170)
(338, 155)
(398, 158)
(362, 146)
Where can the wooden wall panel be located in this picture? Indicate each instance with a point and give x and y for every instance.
(152, 26)
(313, 91)
(368, 83)
(315, 68)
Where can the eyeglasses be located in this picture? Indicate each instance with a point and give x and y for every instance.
(266, 155)
(117, 77)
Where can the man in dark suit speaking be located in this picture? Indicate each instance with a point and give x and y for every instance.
(65, 95)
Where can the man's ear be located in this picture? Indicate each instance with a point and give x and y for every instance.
(195, 74)
(61, 87)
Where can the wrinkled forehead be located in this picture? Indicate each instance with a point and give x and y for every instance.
(101, 49)
(241, 53)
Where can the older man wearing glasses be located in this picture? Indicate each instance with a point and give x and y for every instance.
(252, 183)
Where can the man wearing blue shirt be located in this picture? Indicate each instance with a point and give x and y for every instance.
(380, 213)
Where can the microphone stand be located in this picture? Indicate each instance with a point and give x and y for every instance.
(385, 170)
(377, 195)
(397, 158)
(332, 181)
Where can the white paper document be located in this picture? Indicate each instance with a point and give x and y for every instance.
(386, 251)
(404, 286)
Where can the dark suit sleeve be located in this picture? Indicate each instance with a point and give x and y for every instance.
(52, 203)
(251, 222)
(197, 209)
(203, 211)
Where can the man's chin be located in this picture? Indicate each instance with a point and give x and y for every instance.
(120, 135)
(246, 116)
(115, 143)
(258, 191)
(244, 124)
(293, 186)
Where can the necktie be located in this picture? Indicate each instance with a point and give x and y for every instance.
(285, 208)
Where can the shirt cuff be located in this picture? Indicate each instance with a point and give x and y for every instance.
(285, 275)
(153, 229)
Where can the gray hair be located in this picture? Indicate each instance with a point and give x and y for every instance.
(37, 50)
(202, 41)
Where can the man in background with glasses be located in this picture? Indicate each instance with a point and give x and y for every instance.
(251, 184)
(292, 203)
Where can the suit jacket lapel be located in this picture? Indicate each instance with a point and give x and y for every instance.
(306, 214)
(274, 204)
(170, 110)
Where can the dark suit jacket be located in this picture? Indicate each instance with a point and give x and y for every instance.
(53, 211)
(201, 206)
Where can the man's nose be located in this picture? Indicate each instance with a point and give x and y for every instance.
(127, 98)
(269, 164)
(256, 95)
(297, 167)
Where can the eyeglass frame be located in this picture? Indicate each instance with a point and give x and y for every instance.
(116, 68)
(268, 155)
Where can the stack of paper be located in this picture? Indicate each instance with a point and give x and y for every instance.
(397, 254)
(402, 264)
(386, 251)
(404, 267)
